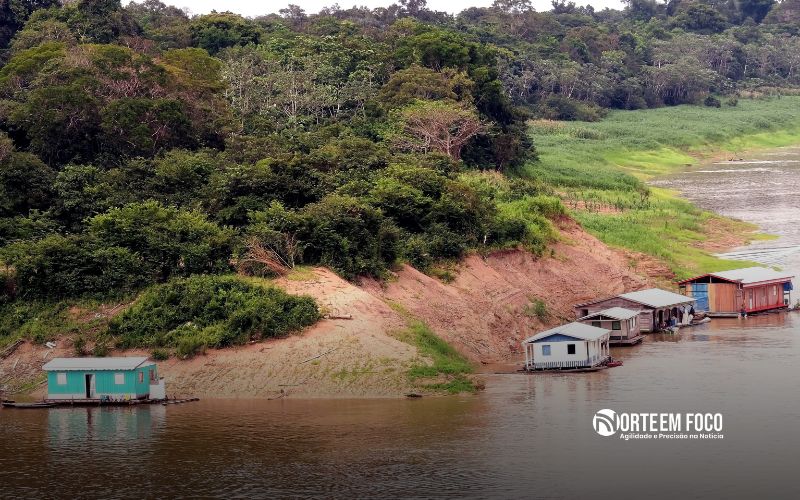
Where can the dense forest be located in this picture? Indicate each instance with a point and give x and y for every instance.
(140, 145)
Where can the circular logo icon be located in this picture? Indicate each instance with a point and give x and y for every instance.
(605, 422)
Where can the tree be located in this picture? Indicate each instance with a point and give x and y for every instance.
(170, 240)
(25, 184)
(438, 126)
(144, 127)
(213, 32)
(417, 82)
(700, 18)
(513, 6)
(756, 10)
(14, 14)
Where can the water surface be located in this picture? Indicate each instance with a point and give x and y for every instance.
(525, 436)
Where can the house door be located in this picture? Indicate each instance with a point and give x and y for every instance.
(750, 299)
(89, 384)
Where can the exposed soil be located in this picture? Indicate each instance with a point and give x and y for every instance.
(488, 309)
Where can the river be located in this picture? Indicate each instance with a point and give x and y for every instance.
(525, 436)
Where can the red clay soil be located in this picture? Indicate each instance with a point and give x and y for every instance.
(486, 311)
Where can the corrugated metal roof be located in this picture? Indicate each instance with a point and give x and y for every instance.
(753, 275)
(619, 313)
(96, 364)
(656, 297)
(578, 330)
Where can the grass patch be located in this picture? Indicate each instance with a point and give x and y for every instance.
(600, 169)
(42, 321)
(441, 360)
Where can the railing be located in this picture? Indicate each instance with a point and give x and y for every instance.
(581, 363)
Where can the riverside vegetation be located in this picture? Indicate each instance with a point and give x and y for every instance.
(154, 157)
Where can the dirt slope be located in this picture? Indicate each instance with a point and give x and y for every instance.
(486, 311)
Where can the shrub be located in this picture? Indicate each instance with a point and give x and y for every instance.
(72, 266)
(159, 354)
(212, 311)
(169, 240)
(79, 345)
(562, 108)
(712, 102)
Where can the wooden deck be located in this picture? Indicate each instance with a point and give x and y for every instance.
(626, 341)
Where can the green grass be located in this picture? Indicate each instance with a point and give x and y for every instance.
(600, 170)
(439, 359)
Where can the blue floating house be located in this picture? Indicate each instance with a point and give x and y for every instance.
(103, 379)
(570, 346)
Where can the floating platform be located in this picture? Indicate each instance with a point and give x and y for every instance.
(632, 341)
(54, 403)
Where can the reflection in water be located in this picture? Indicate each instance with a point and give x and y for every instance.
(526, 436)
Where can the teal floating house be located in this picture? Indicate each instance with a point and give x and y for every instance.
(103, 379)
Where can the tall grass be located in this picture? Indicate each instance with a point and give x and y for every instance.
(600, 169)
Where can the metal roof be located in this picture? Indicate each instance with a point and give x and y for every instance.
(577, 330)
(619, 313)
(748, 275)
(655, 297)
(94, 364)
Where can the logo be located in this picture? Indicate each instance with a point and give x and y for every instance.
(605, 422)
(648, 425)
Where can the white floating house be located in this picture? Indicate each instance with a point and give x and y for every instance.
(623, 323)
(574, 345)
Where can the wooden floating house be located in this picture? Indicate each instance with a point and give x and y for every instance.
(85, 380)
(623, 324)
(570, 346)
(656, 307)
(751, 289)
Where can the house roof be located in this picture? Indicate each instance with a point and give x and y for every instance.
(748, 275)
(94, 364)
(656, 297)
(619, 313)
(577, 330)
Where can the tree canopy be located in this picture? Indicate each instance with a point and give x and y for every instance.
(141, 144)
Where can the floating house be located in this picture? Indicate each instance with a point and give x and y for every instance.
(102, 379)
(656, 307)
(570, 346)
(623, 324)
(727, 293)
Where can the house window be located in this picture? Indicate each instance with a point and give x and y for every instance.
(545, 350)
(153, 375)
(615, 325)
(775, 290)
(570, 348)
(119, 378)
(596, 323)
(584, 312)
(61, 378)
(141, 377)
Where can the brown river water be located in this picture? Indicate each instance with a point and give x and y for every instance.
(525, 436)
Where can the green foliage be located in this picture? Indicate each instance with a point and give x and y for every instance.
(216, 31)
(25, 184)
(537, 309)
(168, 240)
(144, 127)
(440, 359)
(190, 314)
(71, 266)
(159, 354)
